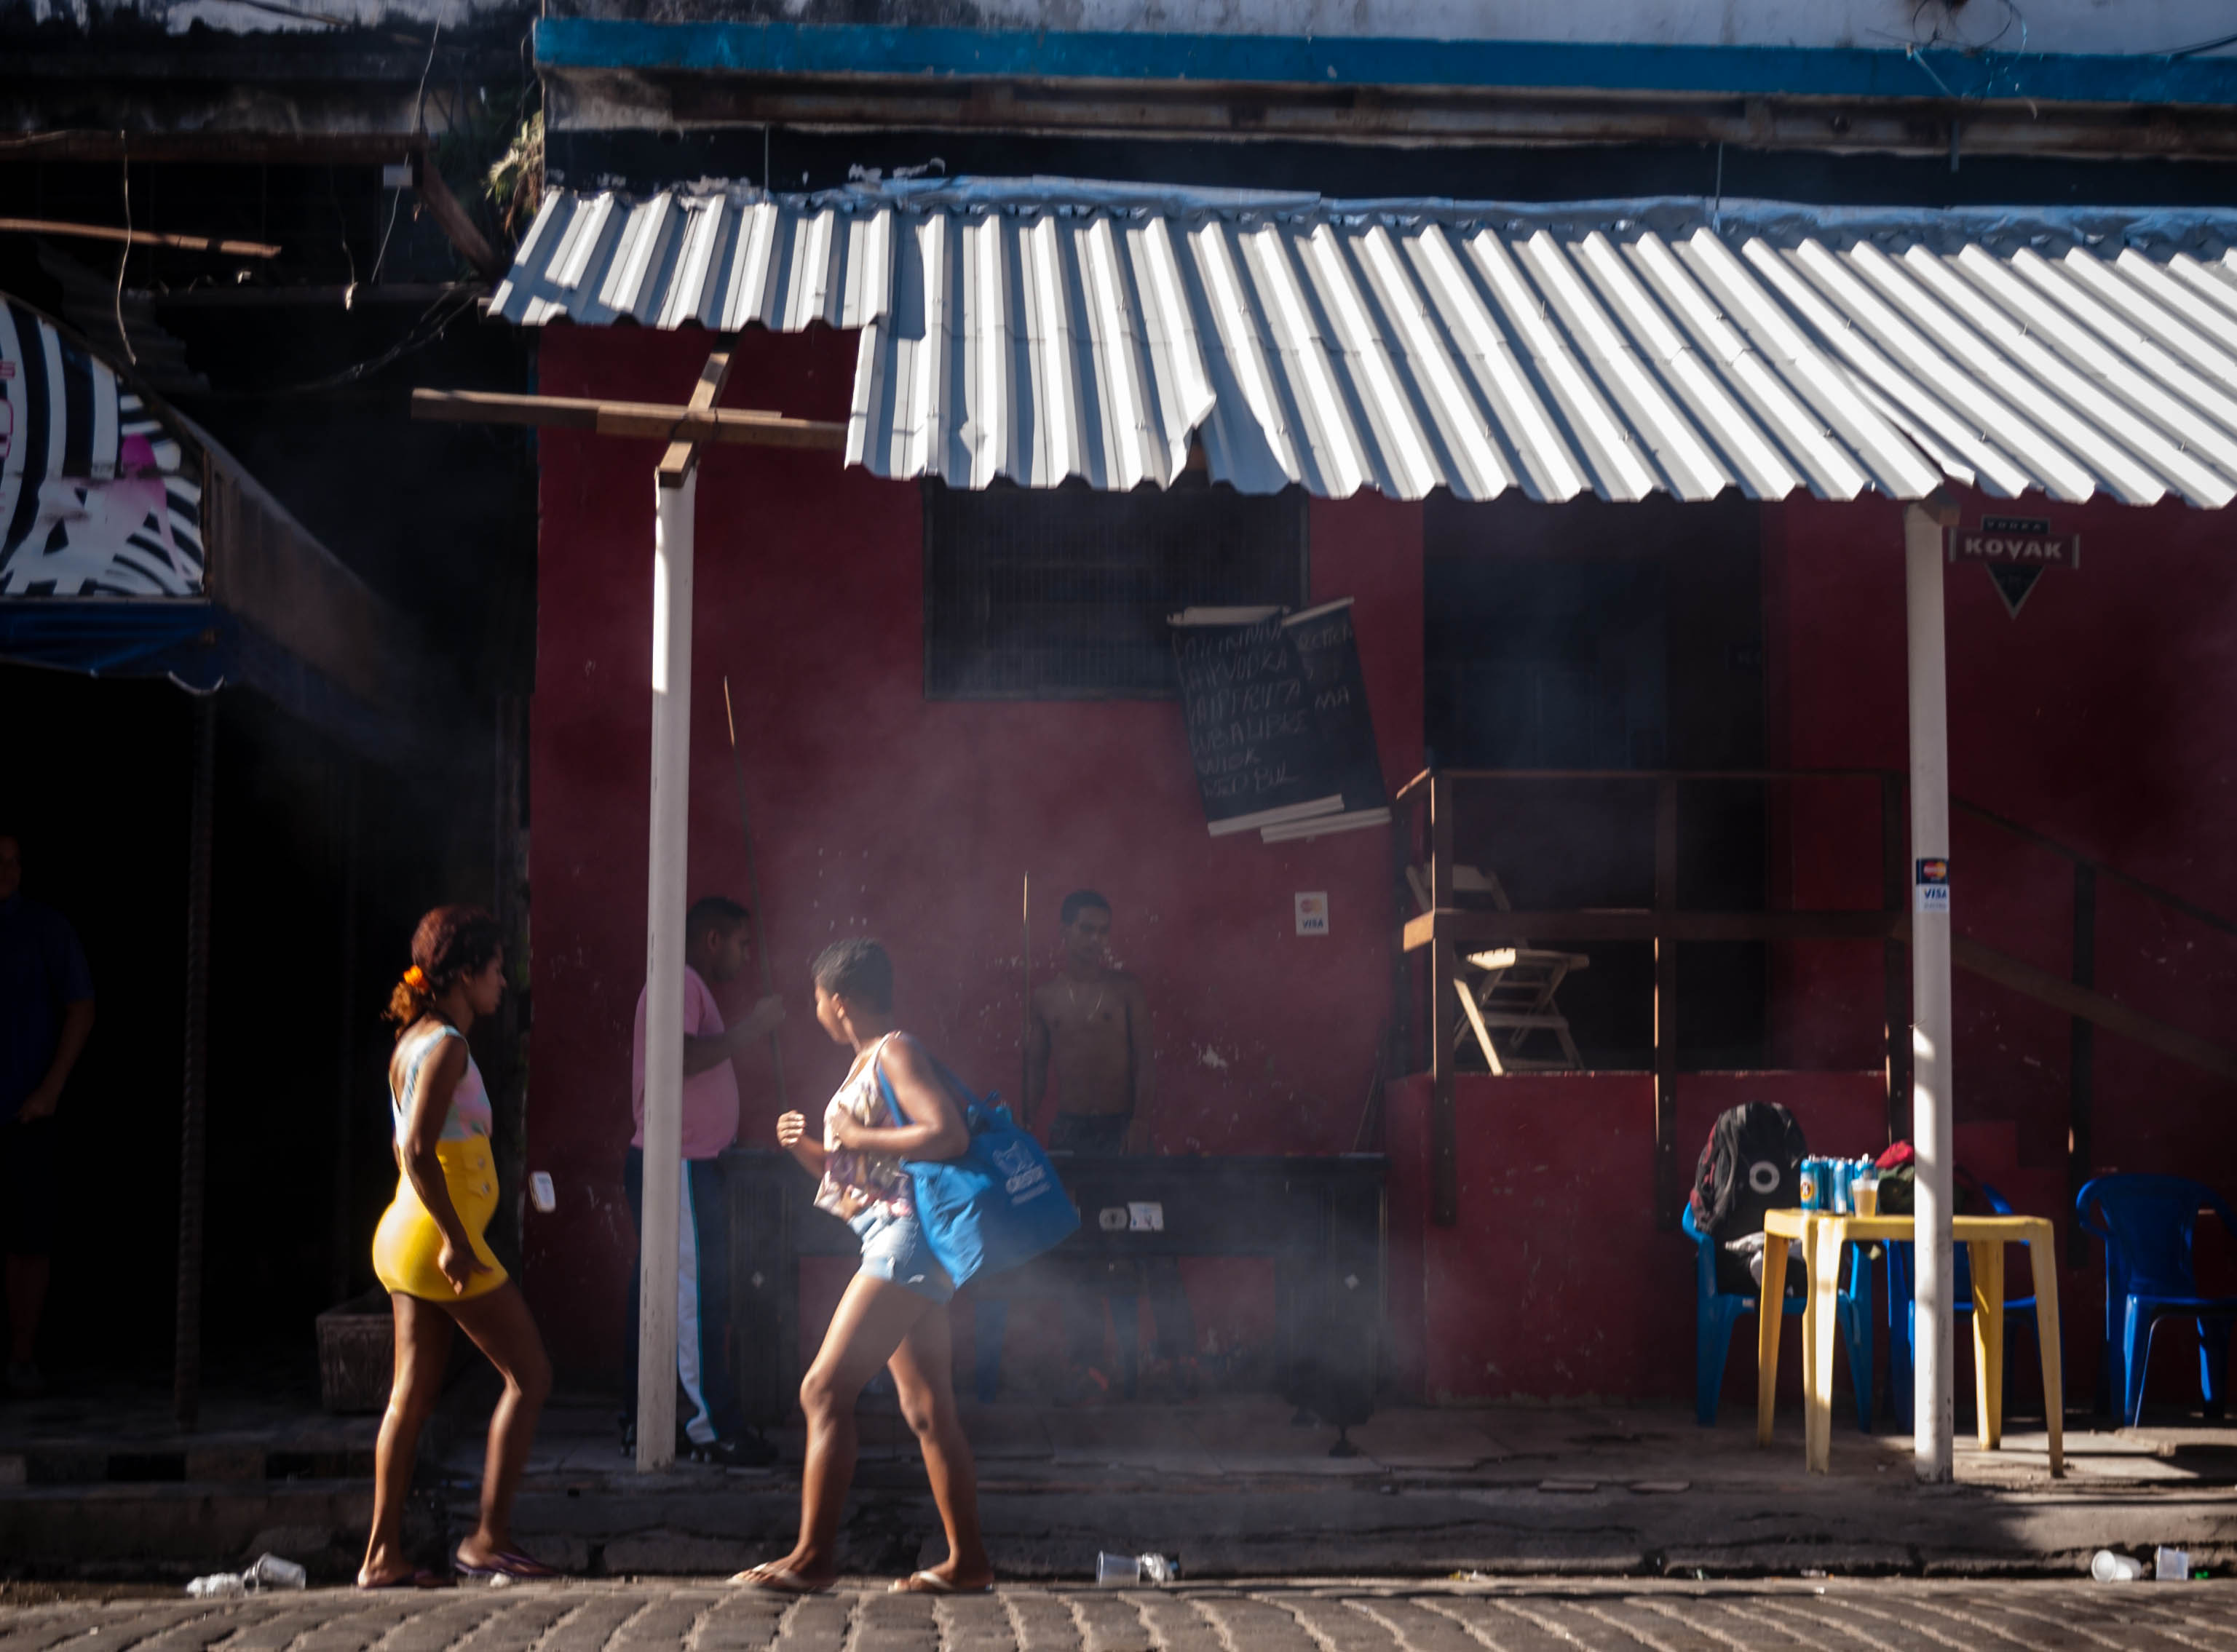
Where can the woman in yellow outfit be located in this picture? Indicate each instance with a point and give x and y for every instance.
(428, 1250)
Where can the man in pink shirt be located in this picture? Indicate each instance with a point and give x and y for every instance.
(716, 943)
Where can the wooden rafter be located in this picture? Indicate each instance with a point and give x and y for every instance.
(137, 237)
(658, 421)
(684, 452)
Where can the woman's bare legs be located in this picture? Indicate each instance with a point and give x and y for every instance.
(871, 1319)
(423, 1348)
(924, 1372)
(502, 1329)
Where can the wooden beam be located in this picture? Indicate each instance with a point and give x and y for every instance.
(451, 218)
(2081, 1056)
(1665, 1008)
(1444, 1124)
(1451, 929)
(137, 237)
(656, 421)
(2091, 1005)
(684, 452)
(1471, 928)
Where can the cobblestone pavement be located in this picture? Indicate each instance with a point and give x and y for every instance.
(1837, 1615)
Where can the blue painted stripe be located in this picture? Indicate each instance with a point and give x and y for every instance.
(808, 49)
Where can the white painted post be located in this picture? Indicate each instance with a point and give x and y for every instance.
(677, 500)
(1932, 1371)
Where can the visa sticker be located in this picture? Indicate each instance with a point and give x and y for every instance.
(1932, 884)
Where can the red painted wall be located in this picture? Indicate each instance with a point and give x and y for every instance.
(876, 810)
(1554, 1282)
(2103, 716)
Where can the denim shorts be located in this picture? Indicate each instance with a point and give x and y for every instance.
(894, 1250)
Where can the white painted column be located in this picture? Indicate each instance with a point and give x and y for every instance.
(1932, 1370)
(664, 1010)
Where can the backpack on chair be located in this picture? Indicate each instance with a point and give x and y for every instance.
(1752, 1163)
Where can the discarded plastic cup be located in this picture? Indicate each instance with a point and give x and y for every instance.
(1156, 1569)
(2172, 1565)
(271, 1571)
(2109, 1568)
(219, 1585)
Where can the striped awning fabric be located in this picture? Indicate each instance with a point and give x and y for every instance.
(98, 496)
(1040, 330)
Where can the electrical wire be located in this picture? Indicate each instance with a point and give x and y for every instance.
(124, 257)
(426, 330)
(2203, 46)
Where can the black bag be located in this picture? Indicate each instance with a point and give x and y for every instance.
(1753, 1163)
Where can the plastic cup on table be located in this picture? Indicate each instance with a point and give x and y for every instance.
(1867, 1194)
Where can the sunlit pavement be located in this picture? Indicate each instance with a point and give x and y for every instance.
(1835, 1615)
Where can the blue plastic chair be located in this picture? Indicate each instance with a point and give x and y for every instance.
(2147, 1224)
(1715, 1313)
(1903, 1312)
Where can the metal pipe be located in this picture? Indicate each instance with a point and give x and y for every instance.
(677, 500)
(1933, 1369)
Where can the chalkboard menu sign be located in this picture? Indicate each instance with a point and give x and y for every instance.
(1328, 660)
(1277, 721)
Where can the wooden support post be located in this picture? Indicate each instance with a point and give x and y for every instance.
(1666, 1009)
(2082, 1058)
(201, 811)
(1895, 885)
(676, 496)
(341, 1265)
(1399, 1038)
(1445, 1128)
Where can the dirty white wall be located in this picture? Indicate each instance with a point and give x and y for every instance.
(261, 16)
(2081, 26)
(2044, 25)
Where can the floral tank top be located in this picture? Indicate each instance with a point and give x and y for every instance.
(854, 1182)
(470, 1114)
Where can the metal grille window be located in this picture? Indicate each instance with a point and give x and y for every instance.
(1064, 593)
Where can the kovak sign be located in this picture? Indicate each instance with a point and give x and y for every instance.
(2015, 551)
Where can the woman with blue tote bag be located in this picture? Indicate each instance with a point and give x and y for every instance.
(894, 1105)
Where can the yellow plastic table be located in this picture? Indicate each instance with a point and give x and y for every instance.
(1821, 1235)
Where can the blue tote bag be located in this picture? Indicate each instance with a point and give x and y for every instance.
(999, 1204)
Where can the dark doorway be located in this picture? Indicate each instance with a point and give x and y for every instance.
(1585, 643)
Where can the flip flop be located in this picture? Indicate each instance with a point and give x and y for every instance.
(925, 1583)
(506, 1568)
(773, 1579)
(420, 1579)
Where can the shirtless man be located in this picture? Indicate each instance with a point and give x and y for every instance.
(1091, 1026)
(1090, 1032)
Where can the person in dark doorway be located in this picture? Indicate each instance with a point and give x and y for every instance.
(712, 1426)
(1090, 1030)
(430, 1254)
(893, 1106)
(46, 1015)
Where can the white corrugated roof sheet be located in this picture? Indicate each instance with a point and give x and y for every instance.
(1044, 329)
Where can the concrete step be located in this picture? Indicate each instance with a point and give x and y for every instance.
(198, 1460)
(182, 1530)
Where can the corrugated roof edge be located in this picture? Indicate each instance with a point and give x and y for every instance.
(2190, 227)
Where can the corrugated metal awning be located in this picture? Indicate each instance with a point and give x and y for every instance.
(1044, 329)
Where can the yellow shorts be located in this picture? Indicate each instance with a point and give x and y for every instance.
(407, 1244)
